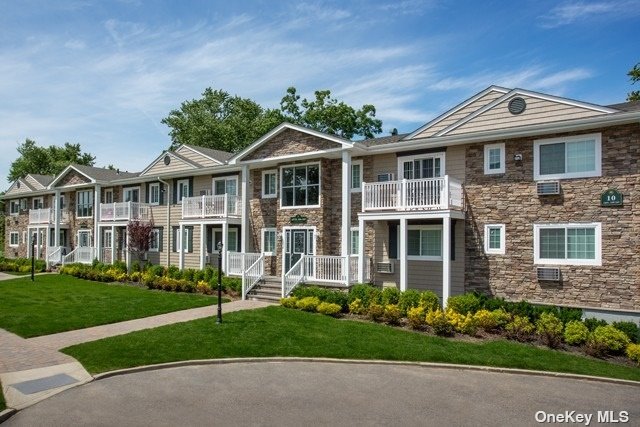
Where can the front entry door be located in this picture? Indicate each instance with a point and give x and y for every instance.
(298, 242)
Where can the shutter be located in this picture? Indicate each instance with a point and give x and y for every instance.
(189, 238)
(393, 241)
(160, 239)
(146, 193)
(175, 191)
(174, 233)
(452, 244)
(191, 187)
(162, 191)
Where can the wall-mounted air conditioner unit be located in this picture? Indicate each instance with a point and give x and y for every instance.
(548, 188)
(384, 177)
(548, 274)
(205, 192)
(384, 267)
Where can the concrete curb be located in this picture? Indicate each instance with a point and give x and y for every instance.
(362, 362)
(6, 414)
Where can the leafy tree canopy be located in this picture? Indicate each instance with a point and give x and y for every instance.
(230, 123)
(634, 76)
(46, 160)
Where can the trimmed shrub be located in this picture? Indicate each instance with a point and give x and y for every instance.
(323, 294)
(520, 328)
(22, 265)
(462, 323)
(491, 321)
(408, 300)
(366, 293)
(575, 332)
(593, 323)
(630, 329)
(356, 307)
(438, 321)
(392, 314)
(375, 311)
(549, 329)
(633, 352)
(289, 302)
(464, 304)
(606, 340)
(329, 309)
(231, 283)
(416, 317)
(308, 303)
(429, 300)
(390, 295)
(204, 288)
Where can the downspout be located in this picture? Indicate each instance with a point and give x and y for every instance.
(169, 233)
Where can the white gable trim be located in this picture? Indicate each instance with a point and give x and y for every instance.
(65, 171)
(282, 127)
(456, 109)
(195, 150)
(170, 154)
(522, 92)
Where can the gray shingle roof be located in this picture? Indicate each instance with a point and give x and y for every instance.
(43, 180)
(103, 174)
(626, 106)
(221, 156)
(383, 140)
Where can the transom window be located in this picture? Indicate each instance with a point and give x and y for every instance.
(154, 193)
(84, 203)
(569, 157)
(494, 157)
(425, 242)
(494, 238)
(424, 166)
(269, 241)
(269, 184)
(572, 244)
(301, 185)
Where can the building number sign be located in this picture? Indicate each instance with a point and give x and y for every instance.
(611, 198)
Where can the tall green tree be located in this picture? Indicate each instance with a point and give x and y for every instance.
(46, 160)
(634, 76)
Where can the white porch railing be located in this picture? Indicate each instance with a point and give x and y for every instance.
(413, 194)
(324, 269)
(82, 254)
(237, 262)
(54, 255)
(353, 269)
(124, 211)
(293, 277)
(47, 216)
(253, 275)
(211, 206)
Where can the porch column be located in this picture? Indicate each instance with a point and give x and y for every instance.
(56, 219)
(38, 242)
(361, 265)
(403, 254)
(346, 213)
(203, 246)
(113, 243)
(96, 218)
(244, 230)
(446, 260)
(225, 245)
(180, 244)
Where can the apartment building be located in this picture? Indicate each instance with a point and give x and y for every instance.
(512, 192)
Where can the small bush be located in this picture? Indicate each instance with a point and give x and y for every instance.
(593, 323)
(491, 321)
(633, 352)
(203, 287)
(390, 295)
(231, 283)
(392, 314)
(464, 304)
(520, 328)
(366, 293)
(416, 317)
(462, 323)
(375, 311)
(630, 329)
(549, 329)
(438, 321)
(429, 300)
(308, 303)
(289, 302)
(575, 332)
(606, 340)
(329, 309)
(324, 295)
(408, 300)
(356, 307)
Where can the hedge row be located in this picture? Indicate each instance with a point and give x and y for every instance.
(21, 265)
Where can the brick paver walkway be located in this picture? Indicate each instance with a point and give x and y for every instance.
(19, 354)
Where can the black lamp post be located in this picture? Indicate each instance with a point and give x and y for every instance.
(219, 320)
(33, 257)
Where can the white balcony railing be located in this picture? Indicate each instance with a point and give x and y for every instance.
(47, 216)
(413, 194)
(124, 211)
(211, 206)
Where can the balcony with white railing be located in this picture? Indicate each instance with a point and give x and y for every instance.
(124, 211)
(426, 194)
(47, 216)
(221, 206)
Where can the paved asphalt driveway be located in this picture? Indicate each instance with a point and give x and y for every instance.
(310, 394)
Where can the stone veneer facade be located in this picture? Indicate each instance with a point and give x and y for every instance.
(511, 199)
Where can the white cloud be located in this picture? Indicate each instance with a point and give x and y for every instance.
(571, 12)
(75, 44)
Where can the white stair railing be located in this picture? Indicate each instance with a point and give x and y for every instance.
(240, 261)
(294, 276)
(54, 255)
(252, 276)
(82, 254)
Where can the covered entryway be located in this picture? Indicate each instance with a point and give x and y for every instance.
(297, 242)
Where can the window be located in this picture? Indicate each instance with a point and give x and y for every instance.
(568, 244)
(227, 185)
(131, 194)
(569, 157)
(269, 241)
(14, 239)
(301, 185)
(108, 195)
(37, 203)
(154, 193)
(61, 202)
(269, 184)
(183, 190)
(154, 243)
(84, 203)
(494, 237)
(494, 155)
(14, 207)
(419, 167)
(108, 239)
(356, 175)
(425, 242)
(354, 238)
(186, 242)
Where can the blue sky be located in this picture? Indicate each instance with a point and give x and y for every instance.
(105, 73)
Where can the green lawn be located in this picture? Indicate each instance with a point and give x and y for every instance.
(276, 331)
(57, 303)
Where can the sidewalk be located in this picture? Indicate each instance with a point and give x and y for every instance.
(33, 369)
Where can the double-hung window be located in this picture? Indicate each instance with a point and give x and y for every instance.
(154, 193)
(14, 207)
(269, 241)
(131, 194)
(356, 175)
(301, 185)
(494, 238)
(154, 241)
(182, 190)
(354, 239)
(567, 244)
(14, 239)
(494, 158)
(84, 203)
(37, 203)
(425, 242)
(269, 184)
(567, 157)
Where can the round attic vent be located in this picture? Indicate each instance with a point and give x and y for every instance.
(167, 160)
(517, 105)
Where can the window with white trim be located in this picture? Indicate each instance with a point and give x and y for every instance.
(568, 244)
(154, 193)
(567, 157)
(494, 157)
(37, 203)
(187, 239)
(14, 207)
(354, 239)
(183, 189)
(424, 242)
(131, 194)
(108, 195)
(301, 185)
(269, 184)
(494, 239)
(154, 241)
(269, 241)
(14, 239)
(356, 175)
(107, 239)
(226, 185)
(84, 203)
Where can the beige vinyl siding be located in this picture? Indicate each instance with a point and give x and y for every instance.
(35, 184)
(448, 121)
(383, 163)
(537, 111)
(196, 157)
(15, 190)
(202, 183)
(176, 165)
(455, 158)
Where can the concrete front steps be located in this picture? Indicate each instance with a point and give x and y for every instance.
(269, 289)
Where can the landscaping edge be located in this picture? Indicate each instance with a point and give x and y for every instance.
(6, 414)
(201, 362)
